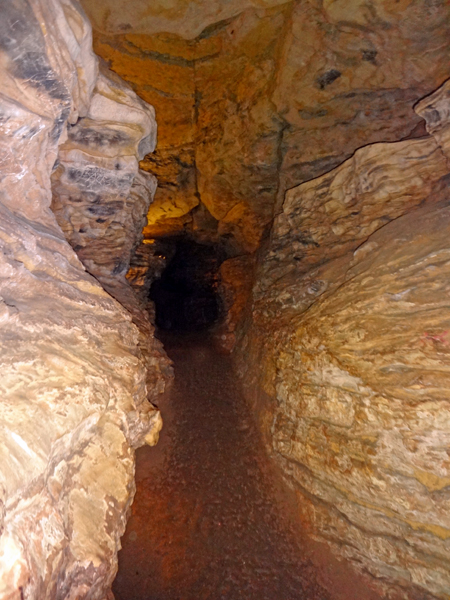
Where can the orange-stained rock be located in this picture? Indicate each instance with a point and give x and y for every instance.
(271, 97)
(235, 287)
(349, 75)
(185, 18)
(167, 83)
(238, 132)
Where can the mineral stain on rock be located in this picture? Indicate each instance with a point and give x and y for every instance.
(328, 78)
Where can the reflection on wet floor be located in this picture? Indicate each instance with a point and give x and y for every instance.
(209, 520)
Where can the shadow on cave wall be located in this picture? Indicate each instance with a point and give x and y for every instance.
(186, 296)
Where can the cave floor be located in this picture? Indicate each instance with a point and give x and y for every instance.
(211, 520)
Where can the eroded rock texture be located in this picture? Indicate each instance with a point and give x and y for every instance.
(101, 198)
(260, 101)
(350, 342)
(73, 394)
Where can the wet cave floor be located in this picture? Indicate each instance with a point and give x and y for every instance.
(211, 520)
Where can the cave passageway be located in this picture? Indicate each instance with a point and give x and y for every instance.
(210, 519)
(185, 296)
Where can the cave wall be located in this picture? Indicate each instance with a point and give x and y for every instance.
(348, 346)
(100, 199)
(73, 385)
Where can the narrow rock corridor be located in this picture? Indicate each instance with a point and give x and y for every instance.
(267, 184)
(210, 519)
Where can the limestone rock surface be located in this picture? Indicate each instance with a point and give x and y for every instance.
(307, 112)
(101, 199)
(271, 96)
(73, 392)
(348, 345)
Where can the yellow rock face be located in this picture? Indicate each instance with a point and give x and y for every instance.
(270, 97)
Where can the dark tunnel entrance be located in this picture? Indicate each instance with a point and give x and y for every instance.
(186, 296)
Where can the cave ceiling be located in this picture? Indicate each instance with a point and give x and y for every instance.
(257, 96)
(184, 18)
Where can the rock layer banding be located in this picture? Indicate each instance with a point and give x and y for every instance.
(357, 366)
(269, 97)
(73, 385)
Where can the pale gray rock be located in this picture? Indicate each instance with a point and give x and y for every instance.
(73, 393)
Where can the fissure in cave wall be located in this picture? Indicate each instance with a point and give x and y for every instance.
(100, 198)
(73, 373)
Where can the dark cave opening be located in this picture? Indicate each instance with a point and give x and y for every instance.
(186, 295)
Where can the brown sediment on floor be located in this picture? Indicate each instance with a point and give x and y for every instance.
(211, 519)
